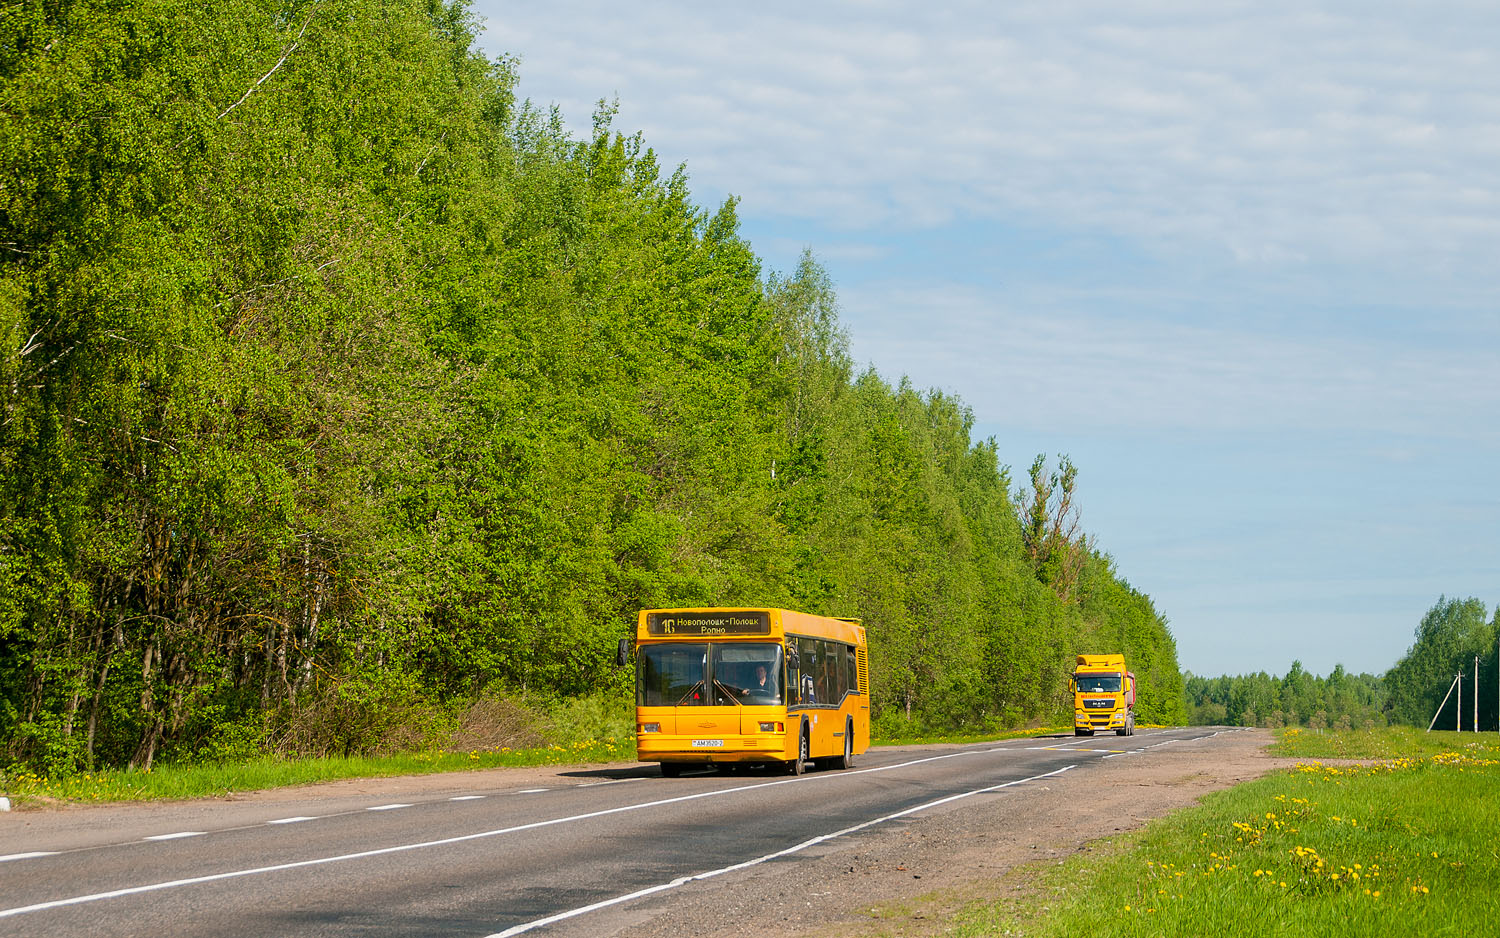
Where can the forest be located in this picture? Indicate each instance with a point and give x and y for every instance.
(344, 392)
(1451, 637)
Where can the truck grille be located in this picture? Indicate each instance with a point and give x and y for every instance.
(1104, 704)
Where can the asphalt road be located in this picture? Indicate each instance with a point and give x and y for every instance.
(588, 853)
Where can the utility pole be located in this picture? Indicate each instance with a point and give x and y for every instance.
(1476, 693)
(1445, 703)
(1458, 717)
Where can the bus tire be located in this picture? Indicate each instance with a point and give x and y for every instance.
(671, 769)
(846, 761)
(799, 764)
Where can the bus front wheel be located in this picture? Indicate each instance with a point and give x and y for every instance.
(799, 764)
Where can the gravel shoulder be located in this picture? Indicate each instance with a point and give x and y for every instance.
(911, 877)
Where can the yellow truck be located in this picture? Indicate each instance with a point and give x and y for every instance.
(1103, 696)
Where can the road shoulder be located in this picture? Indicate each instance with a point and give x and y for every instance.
(907, 881)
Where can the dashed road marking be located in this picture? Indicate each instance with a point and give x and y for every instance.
(684, 880)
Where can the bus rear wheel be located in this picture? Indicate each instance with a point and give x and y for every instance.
(845, 761)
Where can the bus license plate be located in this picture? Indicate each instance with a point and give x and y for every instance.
(708, 743)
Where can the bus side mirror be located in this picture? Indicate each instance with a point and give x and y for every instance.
(623, 654)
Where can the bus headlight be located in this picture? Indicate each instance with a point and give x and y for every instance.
(650, 727)
(773, 727)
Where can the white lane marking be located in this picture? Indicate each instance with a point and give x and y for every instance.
(387, 807)
(466, 798)
(28, 856)
(291, 820)
(402, 848)
(684, 880)
(174, 836)
(530, 791)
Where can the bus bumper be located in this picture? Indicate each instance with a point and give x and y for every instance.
(657, 748)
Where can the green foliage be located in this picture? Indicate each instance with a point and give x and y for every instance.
(1451, 635)
(1338, 701)
(340, 388)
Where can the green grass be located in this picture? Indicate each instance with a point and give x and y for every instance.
(1389, 742)
(1403, 847)
(197, 781)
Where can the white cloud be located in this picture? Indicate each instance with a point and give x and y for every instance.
(1281, 134)
(1100, 372)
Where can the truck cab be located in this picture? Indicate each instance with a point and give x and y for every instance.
(1103, 696)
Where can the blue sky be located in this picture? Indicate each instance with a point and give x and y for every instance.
(1237, 260)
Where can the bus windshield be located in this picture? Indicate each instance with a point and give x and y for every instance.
(1098, 683)
(747, 673)
(671, 675)
(685, 675)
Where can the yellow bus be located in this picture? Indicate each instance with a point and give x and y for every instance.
(757, 686)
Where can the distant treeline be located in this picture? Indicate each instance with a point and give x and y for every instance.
(1448, 640)
(342, 390)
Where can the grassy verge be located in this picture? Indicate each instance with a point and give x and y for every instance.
(211, 779)
(1390, 742)
(1404, 847)
(196, 781)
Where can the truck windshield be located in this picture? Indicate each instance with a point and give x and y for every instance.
(1098, 683)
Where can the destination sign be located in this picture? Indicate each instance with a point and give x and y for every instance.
(708, 623)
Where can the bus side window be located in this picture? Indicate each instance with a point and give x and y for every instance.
(809, 650)
(840, 671)
(792, 680)
(851, 670)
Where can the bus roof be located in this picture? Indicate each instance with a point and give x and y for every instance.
(742, 623)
